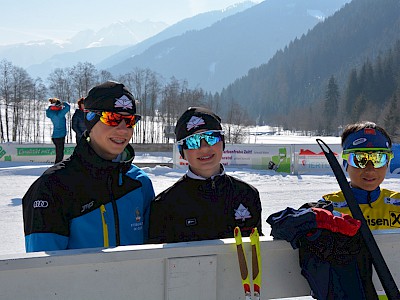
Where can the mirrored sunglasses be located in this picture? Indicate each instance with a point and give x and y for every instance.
(114, 119)
(360, 159)
(194, 141)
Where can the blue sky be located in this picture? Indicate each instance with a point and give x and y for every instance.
(26, 20)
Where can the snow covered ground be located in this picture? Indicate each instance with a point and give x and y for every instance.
(277, 191)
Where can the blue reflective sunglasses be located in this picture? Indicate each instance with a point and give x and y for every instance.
(194, 141)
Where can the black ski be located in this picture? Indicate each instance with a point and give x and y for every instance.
(382, 270)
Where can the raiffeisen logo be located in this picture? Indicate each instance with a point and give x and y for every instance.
(393, 221)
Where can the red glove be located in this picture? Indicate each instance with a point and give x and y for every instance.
(345, 224)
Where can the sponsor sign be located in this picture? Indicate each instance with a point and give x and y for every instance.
(262, 156)
(32, 152)
(310, 159)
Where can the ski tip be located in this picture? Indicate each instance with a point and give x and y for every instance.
(324, 147)
(236, 231)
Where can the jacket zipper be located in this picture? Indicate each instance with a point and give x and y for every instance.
(106, 242)
(115, 212)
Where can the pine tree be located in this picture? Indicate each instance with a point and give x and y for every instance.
(331, 105)
(392, 118)
(351, 94)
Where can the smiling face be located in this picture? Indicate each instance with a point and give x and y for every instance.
(205, 161)
(109, 141)
(368, 178)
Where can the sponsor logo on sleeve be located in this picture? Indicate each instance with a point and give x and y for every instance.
(191, 222)
(40, 204)
(87, 206)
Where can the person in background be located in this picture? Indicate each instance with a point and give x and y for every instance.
(96, 197)
(366, 156)
(78, 120)
(56, 112)
(205, 203)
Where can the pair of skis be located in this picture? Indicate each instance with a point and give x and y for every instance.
(256, 263)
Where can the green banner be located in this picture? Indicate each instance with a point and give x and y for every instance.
(42, 151)
(2, 152)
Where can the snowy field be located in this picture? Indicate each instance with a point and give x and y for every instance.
(277, 191)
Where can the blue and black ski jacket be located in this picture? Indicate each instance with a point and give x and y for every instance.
(86, 201)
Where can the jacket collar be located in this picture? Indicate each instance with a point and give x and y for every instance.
(98, 166)
(366, 197)
(192, 175)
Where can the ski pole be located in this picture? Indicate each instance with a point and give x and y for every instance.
(382, 270)
(244, 272)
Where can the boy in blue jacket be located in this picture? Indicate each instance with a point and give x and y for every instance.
(96, 197)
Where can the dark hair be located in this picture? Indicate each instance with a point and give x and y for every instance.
(80, 102)
(350, 128)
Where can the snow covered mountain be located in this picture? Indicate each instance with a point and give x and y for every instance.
(116, 35)
(42, 57)
(209, 50)
(195, 23)
(215, 56)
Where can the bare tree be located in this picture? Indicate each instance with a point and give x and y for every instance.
(153, 89)
(235, 122)
(170, 108)
(6, 92)
(21, 85)
(84, 76)
(60, 83)
(37, 105)
(105, 76)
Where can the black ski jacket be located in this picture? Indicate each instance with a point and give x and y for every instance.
(194, 209)
(86, 201)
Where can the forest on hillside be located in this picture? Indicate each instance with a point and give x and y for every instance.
(372, 92)
(290, 89)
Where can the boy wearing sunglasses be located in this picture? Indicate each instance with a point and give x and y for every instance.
(366, 156)
(96, 197)
(205, 203)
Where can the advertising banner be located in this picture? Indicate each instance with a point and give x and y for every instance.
(260, 156)
(310, 159)
(395, 162)
(45, 153)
